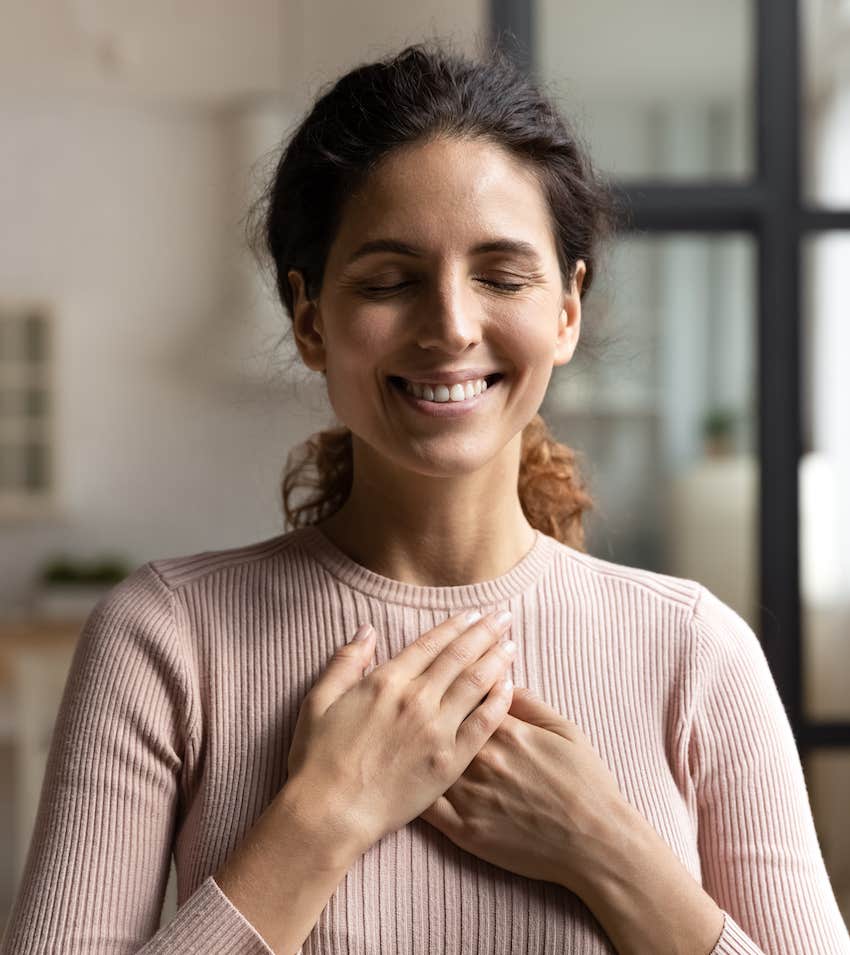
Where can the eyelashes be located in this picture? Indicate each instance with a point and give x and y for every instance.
(378, 290)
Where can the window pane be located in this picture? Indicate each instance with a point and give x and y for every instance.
(9, 401)
(11, 466)
(828, 781)
(662, 411)
(35, 466)
(825, 64)
(659, 90)
(5, 338)
(34, 402)
(35, 337)
(825, 478)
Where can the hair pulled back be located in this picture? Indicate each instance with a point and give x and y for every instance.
(428, 90)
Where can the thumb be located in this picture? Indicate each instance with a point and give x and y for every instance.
(352, 658)
(343, 671)
(530, 708)
(346, 666)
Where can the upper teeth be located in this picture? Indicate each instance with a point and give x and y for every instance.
(462, 391)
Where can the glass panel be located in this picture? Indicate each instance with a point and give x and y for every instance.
(35, 337)
(828, 781)
(9, 329)
(35, 402)
(659, 90)
(825, 478)
(6, 482)
(16, 402)
(8, 402)
(11, 466)
(35, 466)
(825, 64)
(661, 408)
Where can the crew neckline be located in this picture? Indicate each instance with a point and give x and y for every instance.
(522, 575)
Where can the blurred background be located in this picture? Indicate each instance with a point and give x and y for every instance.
(147, 403)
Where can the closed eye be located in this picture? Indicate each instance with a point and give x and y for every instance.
(504, 286)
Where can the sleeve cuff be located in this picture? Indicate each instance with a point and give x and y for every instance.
(208, 923)
(734, 940)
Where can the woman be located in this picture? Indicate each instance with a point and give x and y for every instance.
(432, 222)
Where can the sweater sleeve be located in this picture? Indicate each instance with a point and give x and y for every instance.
(97, 867)
(761, 859)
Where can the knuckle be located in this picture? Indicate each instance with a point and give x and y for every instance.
(480, 722)
(460, 653)
(490, 623)
(428, 645)
(441, 760)
(475, 830)
(378, 681)
(513, 731)
(477, 678)
(415, 703)
(574, 730)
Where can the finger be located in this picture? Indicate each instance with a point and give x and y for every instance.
(442, 653)
(344, 669)
(529, 708)
(472, 683)
(465, 657)
(442, 815)
(482, 722)
(416, 657)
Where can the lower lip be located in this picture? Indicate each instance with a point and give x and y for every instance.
(444, 409)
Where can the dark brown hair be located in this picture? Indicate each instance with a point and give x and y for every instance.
(424, 91)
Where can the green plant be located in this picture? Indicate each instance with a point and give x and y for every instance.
(63, 569)
(719, 423)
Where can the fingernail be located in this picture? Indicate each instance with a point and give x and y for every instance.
(473, 615)
(502, 617)
(363, 632)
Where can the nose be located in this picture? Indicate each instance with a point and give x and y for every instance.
(449, 317)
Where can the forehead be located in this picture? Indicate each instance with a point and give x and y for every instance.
(446, 195)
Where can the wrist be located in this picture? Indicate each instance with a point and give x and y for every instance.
(618, 842)
(644, 897)
(322, 828)
(282, 874)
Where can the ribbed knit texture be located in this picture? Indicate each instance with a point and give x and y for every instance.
(176, 719)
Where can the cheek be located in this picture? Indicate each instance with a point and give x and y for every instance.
(355, 346)
(364, 333)
(528, 343)
(356, 357)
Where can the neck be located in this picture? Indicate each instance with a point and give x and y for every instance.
(434, 531)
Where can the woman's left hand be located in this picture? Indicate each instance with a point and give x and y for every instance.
(536, 799)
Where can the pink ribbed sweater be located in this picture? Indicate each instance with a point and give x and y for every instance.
(177, 715)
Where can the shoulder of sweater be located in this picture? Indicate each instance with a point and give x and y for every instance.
(681, 591)
(178, 571)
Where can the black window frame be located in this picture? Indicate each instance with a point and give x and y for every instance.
(769, 207)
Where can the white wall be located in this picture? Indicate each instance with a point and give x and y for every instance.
(117, 216)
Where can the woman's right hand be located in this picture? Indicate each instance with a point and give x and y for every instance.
(378, 750)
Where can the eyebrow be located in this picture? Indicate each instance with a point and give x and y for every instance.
(516, 246)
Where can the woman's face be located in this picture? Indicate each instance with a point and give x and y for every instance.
(435, 302)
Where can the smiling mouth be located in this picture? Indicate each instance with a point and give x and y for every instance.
(399, 383)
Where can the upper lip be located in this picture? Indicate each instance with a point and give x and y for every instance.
(448, 377)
